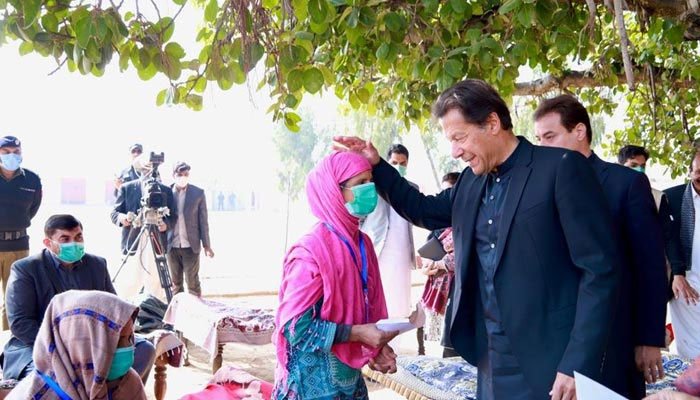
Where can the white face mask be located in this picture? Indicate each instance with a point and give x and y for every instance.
(181, 181)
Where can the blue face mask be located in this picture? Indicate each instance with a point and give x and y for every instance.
(11, 161)
(71, 252)
(121, 363)
(639, 168)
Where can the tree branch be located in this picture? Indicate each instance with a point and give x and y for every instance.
(579, 80)
(157, 10)
(624, 43)
(59, 66)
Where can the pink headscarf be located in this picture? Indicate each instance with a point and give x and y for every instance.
(320, 265)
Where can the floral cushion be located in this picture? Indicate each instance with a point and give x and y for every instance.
(674, 366)
(455, 378)
(452, 376)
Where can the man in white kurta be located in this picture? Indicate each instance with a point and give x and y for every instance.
(392, 237)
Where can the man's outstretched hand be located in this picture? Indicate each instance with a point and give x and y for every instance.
(362, 147)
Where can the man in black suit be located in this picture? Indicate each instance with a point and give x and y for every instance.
(684, 203)
(536, 262)
(634, 350)
(128, 204)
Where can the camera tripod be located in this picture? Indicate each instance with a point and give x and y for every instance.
(151, 230)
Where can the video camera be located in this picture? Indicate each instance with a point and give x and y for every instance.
(154, 201)
(153, 195)
(154, 207)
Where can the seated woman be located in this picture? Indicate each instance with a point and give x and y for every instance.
(84, 350)
(331, 293)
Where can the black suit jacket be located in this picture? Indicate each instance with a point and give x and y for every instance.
(29, 292)
(641, 312)
(196, 219)
(129, 200)
(676, 254)
(557, 261)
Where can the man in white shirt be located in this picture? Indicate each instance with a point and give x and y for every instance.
(392, 237)
(190, 233)
(684, 201)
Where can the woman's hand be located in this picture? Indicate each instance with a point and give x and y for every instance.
(419, 262)
(385, 361)
(429, 268)
(370, 335)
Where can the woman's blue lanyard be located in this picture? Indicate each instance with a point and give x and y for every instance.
(54, 386)
(363, 271)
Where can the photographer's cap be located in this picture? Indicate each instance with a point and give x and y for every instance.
(135, 147)
(181, 166)
(10, 141)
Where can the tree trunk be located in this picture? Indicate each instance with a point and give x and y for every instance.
(432, 162)
(289, 200)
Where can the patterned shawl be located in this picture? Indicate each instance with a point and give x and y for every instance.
(75, 347)
(687, 225)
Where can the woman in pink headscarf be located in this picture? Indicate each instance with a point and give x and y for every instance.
(331, 293)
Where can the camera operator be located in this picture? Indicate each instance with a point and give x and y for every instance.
(129, 203)
(128, 174)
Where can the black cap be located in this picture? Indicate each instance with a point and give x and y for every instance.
(181, 166)
(136, 146)
(10, 141)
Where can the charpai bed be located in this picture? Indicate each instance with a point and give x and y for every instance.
(210, 324)
(433, 378)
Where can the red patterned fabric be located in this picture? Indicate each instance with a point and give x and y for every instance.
(437, 288)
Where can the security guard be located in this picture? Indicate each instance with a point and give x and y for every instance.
(20, 198)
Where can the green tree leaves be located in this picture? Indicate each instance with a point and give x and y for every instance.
(313, 80)
(389, 59)
(210, 11)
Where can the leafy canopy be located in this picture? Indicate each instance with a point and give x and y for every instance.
(388, 58)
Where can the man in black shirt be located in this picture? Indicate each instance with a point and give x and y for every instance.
(20, 198)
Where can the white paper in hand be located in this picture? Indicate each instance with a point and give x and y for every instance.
(588, 389)
(395, 324)
(415, 320)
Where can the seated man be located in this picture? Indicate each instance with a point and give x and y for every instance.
(63, 265)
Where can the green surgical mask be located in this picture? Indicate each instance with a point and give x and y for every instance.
(365, 200)
(71, 252)
(401, 168)
(639, 169)
(122, 361)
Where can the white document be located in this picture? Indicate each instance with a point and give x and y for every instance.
(588, 389)
(415, 320)
(395, 324)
